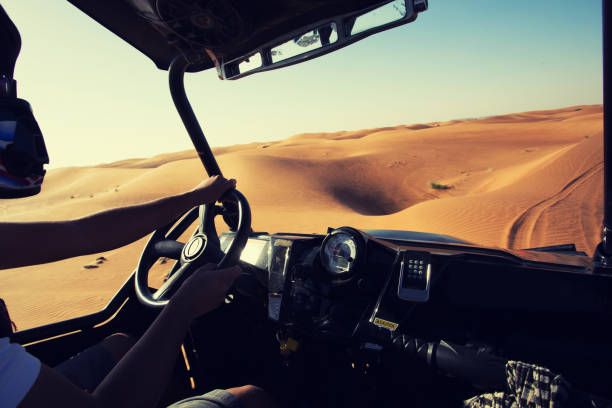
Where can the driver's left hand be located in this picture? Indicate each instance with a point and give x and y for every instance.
(211, 189)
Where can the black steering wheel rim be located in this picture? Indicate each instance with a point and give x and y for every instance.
(203, 245)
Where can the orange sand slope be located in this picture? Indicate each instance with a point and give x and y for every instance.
(519, 180)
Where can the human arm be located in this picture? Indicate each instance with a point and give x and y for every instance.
(141, 376)
(102, 231)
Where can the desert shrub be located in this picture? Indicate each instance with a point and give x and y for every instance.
(439, 186)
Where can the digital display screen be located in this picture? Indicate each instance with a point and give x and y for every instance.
(253, 250)
(254, 253)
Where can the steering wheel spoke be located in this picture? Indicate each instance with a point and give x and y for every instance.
(168, 248)
(173, 282)
(207, 226)
(183, 224)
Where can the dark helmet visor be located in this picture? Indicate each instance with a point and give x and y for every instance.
(23, 153)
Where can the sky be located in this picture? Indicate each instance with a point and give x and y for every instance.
(99, 100)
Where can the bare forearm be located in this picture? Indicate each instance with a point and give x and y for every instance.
(142, 375)
(137, 381)
(95, 233)
(117, 227)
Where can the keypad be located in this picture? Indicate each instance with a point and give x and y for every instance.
(415, 268)
(414, 276)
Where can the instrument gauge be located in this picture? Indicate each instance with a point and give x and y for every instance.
(339, 252)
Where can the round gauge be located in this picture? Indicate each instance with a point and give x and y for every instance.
(339, 253)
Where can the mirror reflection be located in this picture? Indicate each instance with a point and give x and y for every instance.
(385, 14)
(250, 63)
(312, 40)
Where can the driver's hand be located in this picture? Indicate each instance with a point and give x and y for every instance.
(205, 290)
(211, 189)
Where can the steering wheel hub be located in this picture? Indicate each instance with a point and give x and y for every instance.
(194, 248)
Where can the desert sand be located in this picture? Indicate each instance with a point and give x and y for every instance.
(516, 181)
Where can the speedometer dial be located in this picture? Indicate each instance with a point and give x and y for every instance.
(339, 253)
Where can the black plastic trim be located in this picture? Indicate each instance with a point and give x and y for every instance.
(78, 323)
(606, 247)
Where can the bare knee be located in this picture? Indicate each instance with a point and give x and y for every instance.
(118, 344)
(251, 396)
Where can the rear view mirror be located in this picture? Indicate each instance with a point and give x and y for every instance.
(322, 38)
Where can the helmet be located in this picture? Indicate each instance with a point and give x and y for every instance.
(22, 148)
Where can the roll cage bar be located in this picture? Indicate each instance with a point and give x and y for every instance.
(603, 253)
(176, 76)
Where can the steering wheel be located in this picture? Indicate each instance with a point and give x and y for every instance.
(203, 247)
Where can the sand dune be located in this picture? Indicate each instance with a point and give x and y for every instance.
(520, 180)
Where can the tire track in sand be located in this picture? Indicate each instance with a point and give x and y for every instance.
(522, 228)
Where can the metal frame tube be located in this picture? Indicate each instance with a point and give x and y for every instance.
(181, 102)
(607, 134)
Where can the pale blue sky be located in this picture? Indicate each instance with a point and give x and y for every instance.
(98, 100)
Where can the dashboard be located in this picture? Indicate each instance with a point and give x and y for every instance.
(360, 289)
(349, 282)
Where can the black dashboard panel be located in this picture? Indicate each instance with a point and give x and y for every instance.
(488, 284)
(537, 307)
(394, 277)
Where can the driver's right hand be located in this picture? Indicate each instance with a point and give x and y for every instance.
(205, 290)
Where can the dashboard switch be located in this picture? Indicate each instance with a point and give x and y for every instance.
(415, 275)
(274, 305)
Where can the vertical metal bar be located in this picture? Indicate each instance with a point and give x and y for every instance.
(181, 102)
(607, 94)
